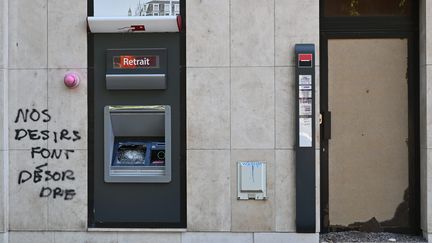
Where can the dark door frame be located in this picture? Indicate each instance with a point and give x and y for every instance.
(374, 27)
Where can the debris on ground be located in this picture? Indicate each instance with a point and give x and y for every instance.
(371, 226)
(357, 236)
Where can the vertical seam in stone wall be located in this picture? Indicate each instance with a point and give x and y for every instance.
(273, 204)
(230, 108)
(426, 208)
(47, 38)
(274, 73)
(5, 189)
(229, 46)
(47, 98)
(274, 117)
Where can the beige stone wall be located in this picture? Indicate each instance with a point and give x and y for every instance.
(240, 106)
(240, 103)
(46, 39)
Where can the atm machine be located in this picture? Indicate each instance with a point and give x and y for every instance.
(136, 122)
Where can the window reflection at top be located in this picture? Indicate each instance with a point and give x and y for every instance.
(354, 8)
(116, 8)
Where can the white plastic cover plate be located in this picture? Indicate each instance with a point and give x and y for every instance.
(251, 180)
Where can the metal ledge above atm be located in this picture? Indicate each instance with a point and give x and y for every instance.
(135, 24)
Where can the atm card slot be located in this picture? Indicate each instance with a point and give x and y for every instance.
(157, 154)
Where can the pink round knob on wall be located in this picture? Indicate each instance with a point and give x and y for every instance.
(71, 80)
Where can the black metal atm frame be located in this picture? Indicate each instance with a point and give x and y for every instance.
(137, 171)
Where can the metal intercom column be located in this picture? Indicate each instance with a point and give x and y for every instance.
(305, 138)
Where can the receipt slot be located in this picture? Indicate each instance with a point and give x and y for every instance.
(137, 151)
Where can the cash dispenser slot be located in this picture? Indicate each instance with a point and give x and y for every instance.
(137, 144)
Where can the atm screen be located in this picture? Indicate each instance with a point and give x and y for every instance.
(130, 152)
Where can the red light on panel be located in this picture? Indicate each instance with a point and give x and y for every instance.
(137, 27)
(305, 60)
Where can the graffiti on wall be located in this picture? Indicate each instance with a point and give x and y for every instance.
(41, 173)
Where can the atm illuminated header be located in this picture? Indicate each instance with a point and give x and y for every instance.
(134, 62)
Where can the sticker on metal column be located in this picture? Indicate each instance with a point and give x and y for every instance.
(305, 132)
(305, 60)
(305, 107)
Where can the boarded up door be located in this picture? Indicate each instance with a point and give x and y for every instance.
(368, 149)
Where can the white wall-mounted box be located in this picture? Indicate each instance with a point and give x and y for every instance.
(252, 180)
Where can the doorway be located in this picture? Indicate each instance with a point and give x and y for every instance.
(368, 150)
(369, 132)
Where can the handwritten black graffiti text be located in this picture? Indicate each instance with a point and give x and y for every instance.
(33, 115)
(40, 173)
(51, 153)
(35, 134)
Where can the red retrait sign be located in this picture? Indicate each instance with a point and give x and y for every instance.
(133, 62)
